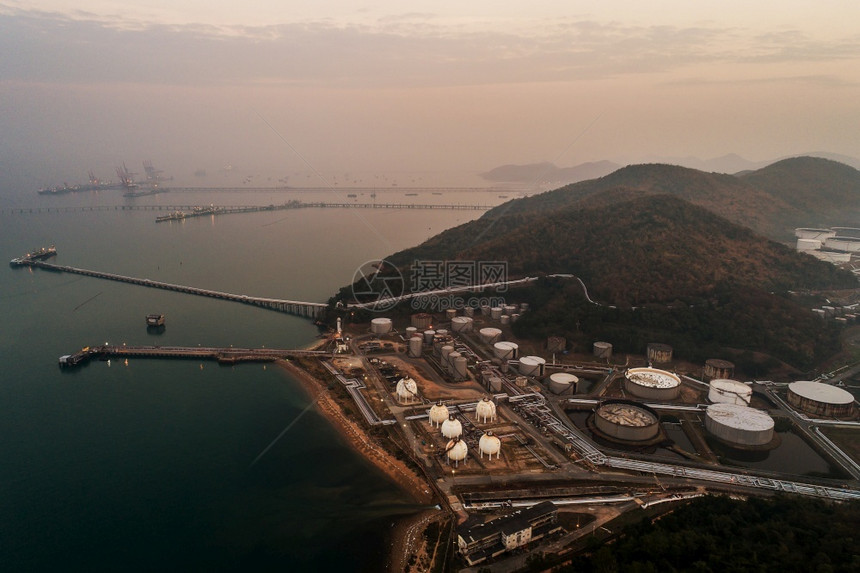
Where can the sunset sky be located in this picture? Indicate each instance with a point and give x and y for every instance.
(443, 88)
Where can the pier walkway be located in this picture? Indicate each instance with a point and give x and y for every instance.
(311, 310)
(222, 355)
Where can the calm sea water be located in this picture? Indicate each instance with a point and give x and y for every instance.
(148, 464)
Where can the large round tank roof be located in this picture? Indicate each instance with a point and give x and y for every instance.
(819, 392)
(564, 378)
(530, 360)
(740, 417)
(653, 378)
(625, 414)
(506, 346)
(725, 391)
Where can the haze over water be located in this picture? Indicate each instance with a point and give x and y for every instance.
(148, 464)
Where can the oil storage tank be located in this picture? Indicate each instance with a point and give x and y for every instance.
(461, 324)
(725, 391)
(739, 425)
(532, 366)
(717, 368)
(821, 399)
(563, 383)
(603, 350)
(659, 353)
(652, 383)
(422, 320)
(416, 345)
(505, 350)
(380, 325)
(627, 421)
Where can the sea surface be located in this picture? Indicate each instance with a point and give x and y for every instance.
(149, 464)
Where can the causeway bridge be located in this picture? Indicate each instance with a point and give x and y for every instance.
(312, 310)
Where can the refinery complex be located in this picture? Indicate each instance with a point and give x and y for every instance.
(496, 426)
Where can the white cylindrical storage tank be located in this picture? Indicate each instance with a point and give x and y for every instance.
(494, 383)
(490, 445)
(515, 317)
(726, 391)
(524, 306)
(821, 399)
(485, 309)
(460, 364)
(490, 335)
(845, 244)
(416, 344)
(443, 356)
(456, 450)
(410, 332)
(652, 383)
(532, 366)
(380, 325)
(428, 336)
(469, 311)
(438, 414)
(505, 350)
(461, 324)
(485, 411)
(739, 425)
(452, 357)
(808, 244)
(509, 309)
(407, 391)
(422, 320)
(452, 428)
(602, 350)
(504, 319)
(442, 332)
(450, 313)
(811, 233)
(563, 383)
(496, 312)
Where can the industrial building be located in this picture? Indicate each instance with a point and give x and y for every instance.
(821, 399)
(484, 541)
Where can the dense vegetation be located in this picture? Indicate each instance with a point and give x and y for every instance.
(723, 535)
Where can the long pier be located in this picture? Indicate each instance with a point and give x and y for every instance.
(234, 209)
(222, 355)
(311, 310)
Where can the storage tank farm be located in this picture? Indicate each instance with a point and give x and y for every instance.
(739, 425)
(726, 391)
(652, 384)
(822, 400)
(626, 421)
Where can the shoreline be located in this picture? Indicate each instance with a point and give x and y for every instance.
(405, 478)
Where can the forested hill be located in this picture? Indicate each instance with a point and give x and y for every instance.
(653, 249)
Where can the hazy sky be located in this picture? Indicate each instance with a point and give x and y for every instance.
(281, 87)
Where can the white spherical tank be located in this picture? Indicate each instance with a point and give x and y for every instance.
(407, 391)
(652, 383)
(563, 383)
(490, 445)
(438, 414)
(485, 411)
(452, 428)
(456, 450)
(490, 335)
(505, 350)
(380, 325)
(461, 324)
(416, 345)
(739, 425)
(725, 391)
(532, 366)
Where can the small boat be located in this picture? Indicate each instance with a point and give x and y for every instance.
(154, 320)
